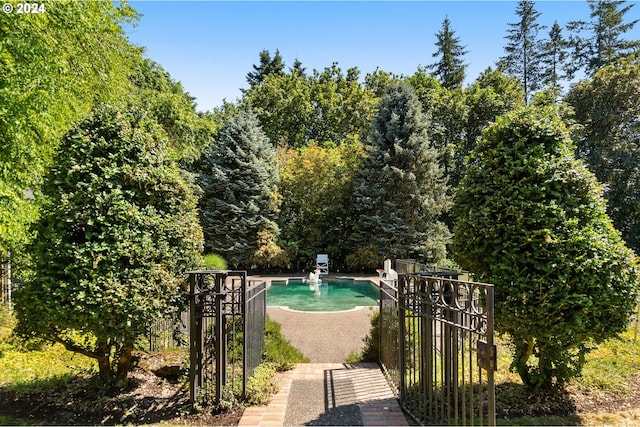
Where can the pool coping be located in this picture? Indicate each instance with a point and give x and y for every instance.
(356, 308)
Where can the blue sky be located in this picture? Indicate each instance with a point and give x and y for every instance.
(210, 46)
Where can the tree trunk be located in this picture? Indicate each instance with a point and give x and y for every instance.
(523, 352)
(124, 361)
(545, 365)
(103, 358)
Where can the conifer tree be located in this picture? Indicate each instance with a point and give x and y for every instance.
(604, 42)
(401, 192)
(238, 178)
(553, 54)
(523, 48)
(267, 66)
(450, 68)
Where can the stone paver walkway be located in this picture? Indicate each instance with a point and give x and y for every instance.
(329, 394)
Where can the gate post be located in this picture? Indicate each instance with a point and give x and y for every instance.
(402, 336)
(195, 341)
(491, 398)
(220, 335)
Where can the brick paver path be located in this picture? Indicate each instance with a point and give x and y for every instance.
(351, 392)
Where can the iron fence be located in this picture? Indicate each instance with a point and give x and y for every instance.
(168, 334)
(227, 319)
(436, 345)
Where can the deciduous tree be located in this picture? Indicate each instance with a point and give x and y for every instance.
(118, 230)
(53, 67)
(531, 219)
(316, 189)
(608, 139)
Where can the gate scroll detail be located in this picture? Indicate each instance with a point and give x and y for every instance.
(437, 347)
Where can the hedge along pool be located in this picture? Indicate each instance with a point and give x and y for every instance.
(328, 295)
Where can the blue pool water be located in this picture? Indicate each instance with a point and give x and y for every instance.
(331, 295)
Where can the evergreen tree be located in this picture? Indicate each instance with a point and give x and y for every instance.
(400, 192)
(553, 54)
(239, 178)
(523, 48)
(450, 68)
(604, 41)
(266, 67)
(298, 69)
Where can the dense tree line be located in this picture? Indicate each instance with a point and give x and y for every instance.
(97, 209)
(310, 161)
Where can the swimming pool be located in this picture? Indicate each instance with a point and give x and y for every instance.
(330, 295)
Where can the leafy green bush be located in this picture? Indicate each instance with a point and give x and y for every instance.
(531, 219)
(364, 258)
(371, 350)
(278, 350)
(260, 387)
(214, 262)
(118, 229)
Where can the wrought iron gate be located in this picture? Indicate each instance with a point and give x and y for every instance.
(227, 319)
(436, 345)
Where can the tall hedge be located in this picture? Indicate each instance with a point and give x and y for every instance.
(117, 231)
(531, 219)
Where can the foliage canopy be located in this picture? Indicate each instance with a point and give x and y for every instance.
(118, 230)
(531, 219)
(238, 204)
(609, 139)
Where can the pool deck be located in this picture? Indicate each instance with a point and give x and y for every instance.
(324, 336)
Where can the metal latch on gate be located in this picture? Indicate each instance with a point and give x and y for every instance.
(487, 356)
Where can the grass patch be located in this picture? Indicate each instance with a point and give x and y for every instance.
(612, 365)
(31, 370)
(603, 395)
(38, 370)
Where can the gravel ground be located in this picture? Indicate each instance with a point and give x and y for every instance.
(322, 336)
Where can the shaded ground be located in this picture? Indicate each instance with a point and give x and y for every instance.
(148, 399)
(151, 399)
(513, 402)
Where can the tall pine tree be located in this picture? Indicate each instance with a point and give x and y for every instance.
(554, 55)
(450, 68)
(238, 178)
(603, 43)
(401, 191)
(267, 66)
(522, 59)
